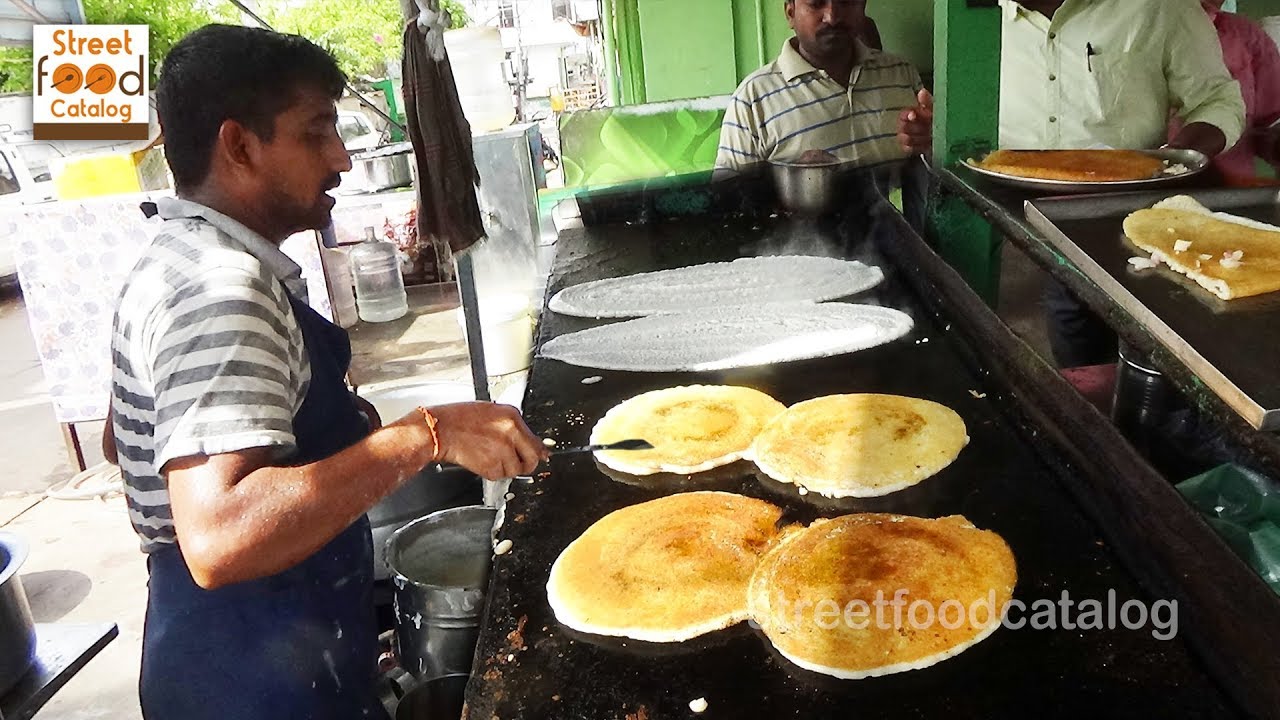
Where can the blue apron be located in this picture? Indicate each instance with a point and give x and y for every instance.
(300, 645)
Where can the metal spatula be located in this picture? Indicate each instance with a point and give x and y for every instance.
(620, 445)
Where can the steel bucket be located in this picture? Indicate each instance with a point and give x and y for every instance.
(433, 488)
(440, 565)
(385, 167)
(17, 629)
(439, 699)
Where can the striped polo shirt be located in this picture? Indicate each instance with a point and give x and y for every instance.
(789, 107)
(208, 357)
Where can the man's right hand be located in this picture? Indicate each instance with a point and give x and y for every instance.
(488, 439)
(239, 516)
(915, 126)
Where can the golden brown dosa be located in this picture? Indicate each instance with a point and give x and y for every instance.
(802, 589)
(692, 428)
(1075, 165)
(1159, 229)
(666, 570)
(859, 445)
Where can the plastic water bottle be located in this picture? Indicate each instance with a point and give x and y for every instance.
(380, 295)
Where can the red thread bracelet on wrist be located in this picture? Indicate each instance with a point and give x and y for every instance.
(430, 420)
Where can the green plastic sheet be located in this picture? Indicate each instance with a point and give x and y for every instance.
(1244, 508)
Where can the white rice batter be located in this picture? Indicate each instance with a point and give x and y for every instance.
(748, 281)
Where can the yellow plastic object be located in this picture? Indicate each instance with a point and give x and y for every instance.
(110, 174)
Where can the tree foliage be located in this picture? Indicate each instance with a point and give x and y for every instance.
(169, 21)
(362, 34)
(363, 40)
(15, 69)
(457, 12)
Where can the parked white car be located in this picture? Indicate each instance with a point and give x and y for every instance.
(18, 187)
(356, 131)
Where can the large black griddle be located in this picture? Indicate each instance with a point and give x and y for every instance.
(1024, 475)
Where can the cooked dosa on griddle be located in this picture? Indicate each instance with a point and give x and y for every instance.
(691, 428)
(666, 570)
(859, 445)
(1075, 165)
(1180, 232)
(851, 559)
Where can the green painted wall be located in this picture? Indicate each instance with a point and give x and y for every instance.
(759, 29)
(1260, 8)
(630, 54)
(695, 48)
(906, 27)
(967, 47)
(675, 49)
(688, 48)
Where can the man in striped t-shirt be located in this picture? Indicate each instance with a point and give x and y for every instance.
(248, 465)
(827, 94)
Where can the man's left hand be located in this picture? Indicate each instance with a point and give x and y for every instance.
(915, 126)
(1202, 137)
(1269, 145)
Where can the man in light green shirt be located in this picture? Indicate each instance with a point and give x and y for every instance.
(1088, 73)
(1110, 73)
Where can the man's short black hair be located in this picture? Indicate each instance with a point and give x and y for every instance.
(227, 72)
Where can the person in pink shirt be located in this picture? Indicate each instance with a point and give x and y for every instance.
(1253, 59)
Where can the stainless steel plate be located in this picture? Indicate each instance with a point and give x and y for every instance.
(1195, 163)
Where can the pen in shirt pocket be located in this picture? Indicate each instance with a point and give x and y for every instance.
(1089, 52)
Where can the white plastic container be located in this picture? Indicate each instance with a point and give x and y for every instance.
(395, 401)
(380, 295)
(477, 55)
(506, 329)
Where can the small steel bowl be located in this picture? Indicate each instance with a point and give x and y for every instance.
(806, 188)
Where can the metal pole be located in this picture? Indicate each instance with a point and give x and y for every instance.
(35, 13)
(610, 52)
(967, 65)
(522, 63)
(760, 29)
(635, 53)
(471, 318)
(966, 124)
(358, 95)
